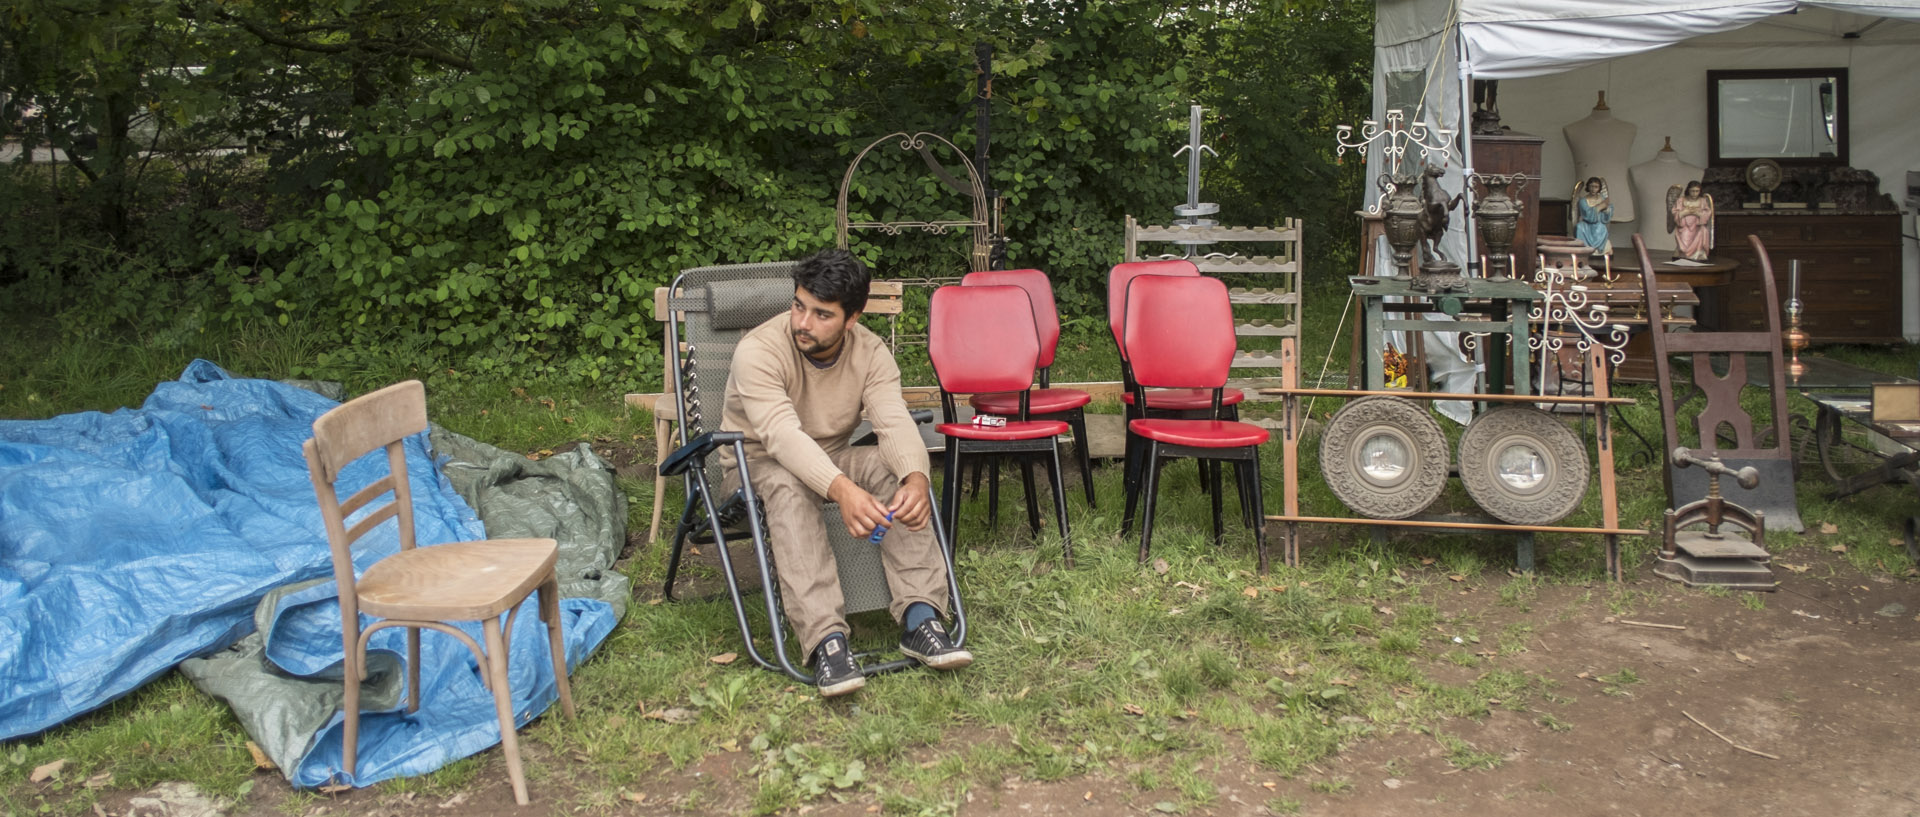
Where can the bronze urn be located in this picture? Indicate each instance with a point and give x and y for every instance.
(1497, 217)
(1401, 218)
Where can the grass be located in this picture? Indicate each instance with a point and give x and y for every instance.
(1112, 672)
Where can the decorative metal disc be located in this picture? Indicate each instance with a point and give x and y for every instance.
(1523, 466)
(1384, 457)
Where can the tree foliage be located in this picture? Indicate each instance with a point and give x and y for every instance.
(509, 182)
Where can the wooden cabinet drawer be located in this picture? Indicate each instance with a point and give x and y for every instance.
(1785, 231)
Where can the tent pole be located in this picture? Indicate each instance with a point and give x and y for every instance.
(1466, 144)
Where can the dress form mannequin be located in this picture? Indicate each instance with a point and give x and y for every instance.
(1600, 145)
(1650, 182)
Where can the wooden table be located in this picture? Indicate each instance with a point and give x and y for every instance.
(1709, 281)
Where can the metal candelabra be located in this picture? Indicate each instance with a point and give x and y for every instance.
(1399, 203)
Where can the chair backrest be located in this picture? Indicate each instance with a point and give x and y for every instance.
(1179, 331)
(982, 339)
(1046, 318)
(1121, 276)
(1767, 448)
(708, 310)
(380, 419)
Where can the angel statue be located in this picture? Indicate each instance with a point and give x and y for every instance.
(1690, 219)
(1434, 206)
(1592, 211)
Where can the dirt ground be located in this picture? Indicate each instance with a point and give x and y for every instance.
(1822, 679)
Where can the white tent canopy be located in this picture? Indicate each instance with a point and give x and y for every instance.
(1427, 51)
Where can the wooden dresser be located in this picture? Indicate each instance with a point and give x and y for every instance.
(1849, 271)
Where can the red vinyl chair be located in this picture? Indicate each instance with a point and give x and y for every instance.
(1179, 334)
(982, 340)
(1046, 403)
(1169, 403)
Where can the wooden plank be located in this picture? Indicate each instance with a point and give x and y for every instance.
(1177, 232)
(1249, 265)
(1441, 395)
(1421, 523)
(1262, 295)
(1256, 360)
(1261, 327)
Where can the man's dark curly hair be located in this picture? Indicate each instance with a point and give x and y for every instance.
(835, 276)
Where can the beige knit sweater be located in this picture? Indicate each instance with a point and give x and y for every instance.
(797, 413)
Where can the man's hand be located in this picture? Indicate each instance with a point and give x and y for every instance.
(913, 505)
(858, 509)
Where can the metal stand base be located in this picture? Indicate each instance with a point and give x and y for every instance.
(1733, 574)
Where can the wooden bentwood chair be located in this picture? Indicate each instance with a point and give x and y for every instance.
(1179, 334)
(423, 587)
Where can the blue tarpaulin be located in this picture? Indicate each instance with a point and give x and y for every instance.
(133, 540)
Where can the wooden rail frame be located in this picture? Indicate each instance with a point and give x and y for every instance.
(1291, 518)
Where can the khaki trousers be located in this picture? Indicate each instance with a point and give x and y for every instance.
(797, 534)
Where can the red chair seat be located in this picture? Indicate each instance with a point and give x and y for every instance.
(1013, 430)
(1185, 399)
(1040, 401)
(1200, 433)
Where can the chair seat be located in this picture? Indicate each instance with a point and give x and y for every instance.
(1185, 399)
(463, 581)
(1200, 433)
(1039, 401)
(1013, 430)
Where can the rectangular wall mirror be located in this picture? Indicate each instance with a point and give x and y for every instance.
(1791, 115)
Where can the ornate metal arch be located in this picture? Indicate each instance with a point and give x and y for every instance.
(982, 226)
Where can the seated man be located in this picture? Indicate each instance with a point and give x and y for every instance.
(798, 385)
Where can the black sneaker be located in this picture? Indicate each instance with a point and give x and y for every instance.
(928, 644)
(834, 668)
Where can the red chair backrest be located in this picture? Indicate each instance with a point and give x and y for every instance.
(1046, 320)
(981, 339)
(1122, 275)
(1179, 332)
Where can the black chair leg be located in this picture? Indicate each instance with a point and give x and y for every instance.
(1213, 481)
(679, 543)
(1259, 515)
(1060, 505)
(993, 491)
(1131, 482)
(1082, 445)
(1242, 482)
(1149, 479)
(1033, 498)
(951, 507)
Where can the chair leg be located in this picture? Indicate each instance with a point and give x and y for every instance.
(679, 543)
(1149, 483)
(1259, 514)
(1213, 472)
(951, 506)
(413, 669)
(1060, 505)
(1082, 445)
(1033, 499)
(993, 491)
(1130, 483)
(350, 708)
(1242, 481)
(503, 707)
(556, 643)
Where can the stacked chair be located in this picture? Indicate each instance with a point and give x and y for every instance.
(983, 340)
(1045, 402)
(1178, 335)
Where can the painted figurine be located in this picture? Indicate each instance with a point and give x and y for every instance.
(1593, 211)
(1690, 219)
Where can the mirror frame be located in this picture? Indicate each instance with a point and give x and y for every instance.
(1840, 114)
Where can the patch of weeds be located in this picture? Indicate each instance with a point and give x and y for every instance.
(1464, 755)
(1617, 683)
(1144, 779)
(1553, 724)
(1788, 696)
(801, 772)
(1282, 805)
(1400, 641)
(725, 701)
(1338, 785)
(1217, 669)
(1463, 658)
(1288, 744)
(1514, 638)
(1753, 601)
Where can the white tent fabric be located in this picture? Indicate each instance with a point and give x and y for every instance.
(1420, 46)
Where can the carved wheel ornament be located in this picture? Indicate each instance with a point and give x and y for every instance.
(1385, 457)
(1523, 466)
